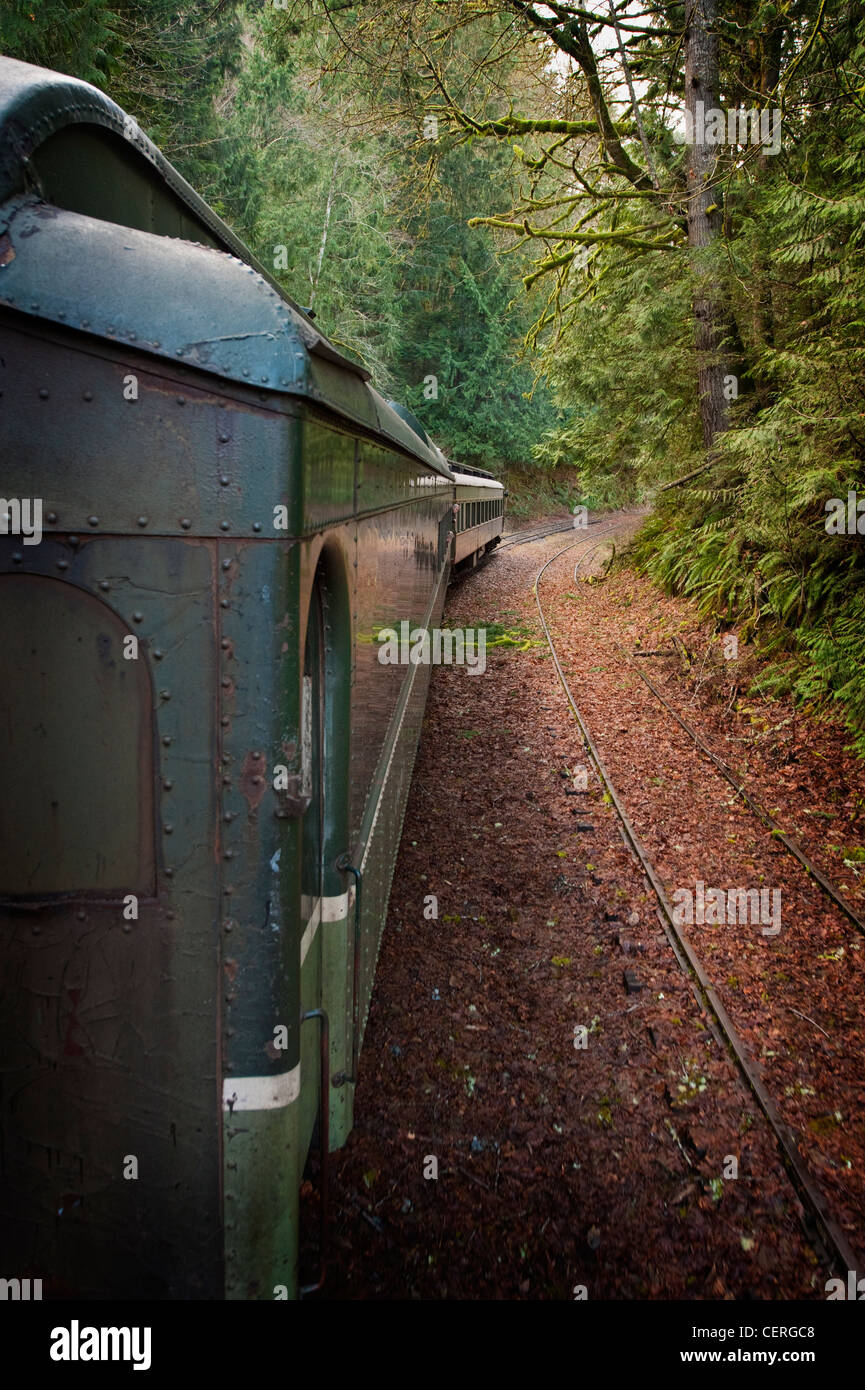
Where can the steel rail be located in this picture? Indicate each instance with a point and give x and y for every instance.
(825, 884)
(838, 1249)
(515, 538)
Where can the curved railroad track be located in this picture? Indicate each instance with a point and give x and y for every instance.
(519, 538)
(838, 1251)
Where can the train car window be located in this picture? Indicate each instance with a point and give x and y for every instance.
(76, 745)
(311, 745)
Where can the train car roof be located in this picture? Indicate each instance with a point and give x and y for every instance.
(475, 477)
(99, 232)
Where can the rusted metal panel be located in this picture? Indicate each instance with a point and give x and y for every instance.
(109, 1102)
(73, 825)
(133, 289)
(183, 458)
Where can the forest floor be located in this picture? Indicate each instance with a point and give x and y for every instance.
(629, 1160)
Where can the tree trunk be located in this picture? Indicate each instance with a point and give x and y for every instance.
(704, 226)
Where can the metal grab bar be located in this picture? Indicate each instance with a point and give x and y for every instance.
(324, 1142)
(342, 1078)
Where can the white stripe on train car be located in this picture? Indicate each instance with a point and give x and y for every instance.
(261, 1092)
(329, 909)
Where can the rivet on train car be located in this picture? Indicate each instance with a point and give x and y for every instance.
(104, 585)
(85, 323)
(181, 400)
(165, 694)
(170, 915)
(169, 873)
(226, 680)
(229, 815)
(179, 352)
(127, 926)
(158, 655)
(17, 557)
(226, 781)
(63, 564)
(61, 313)
(229, 854)
(156, 343)
(167, 784)
(256, 780)
(224, 721)
(224, 480)
(223, 603)
(142, 521)
(131, 337)
(223, 439)
(51, 516)
(225, 644)
(226, 564)
(265, 379)
(81, 914)
(256, 526)
(246, 371)
(228, 926)
(73, 541)
(228, 891)
(169, 829)
(185, 523)
(223, 525)
(138, 617)
(166, 740)
(226, 757)
(110, 328)
(93, 521)
(43, 393)
(34, 307)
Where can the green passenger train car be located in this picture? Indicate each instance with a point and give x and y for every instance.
(209, 515)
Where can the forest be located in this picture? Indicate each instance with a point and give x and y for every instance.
(612, 252)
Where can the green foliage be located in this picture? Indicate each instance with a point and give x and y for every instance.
(459, 326)
(80, 37)
(748, 539)
(165, 61)
(624, 371)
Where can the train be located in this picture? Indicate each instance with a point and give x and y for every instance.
(208, 512)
